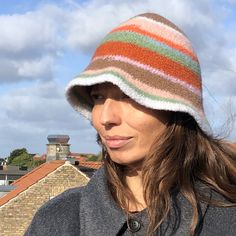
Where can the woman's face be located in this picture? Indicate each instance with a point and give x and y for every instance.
(126, 128)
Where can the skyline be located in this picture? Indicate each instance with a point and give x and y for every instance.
(44, 45)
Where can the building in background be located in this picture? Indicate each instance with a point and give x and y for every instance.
(58, 147)
(31, 191)
(9, 174)
(25, 190)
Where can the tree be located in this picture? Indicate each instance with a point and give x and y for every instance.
(93, 157)
(24, 159)
(21, 157)
(16, 153)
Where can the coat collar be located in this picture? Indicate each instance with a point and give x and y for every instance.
(115, 217)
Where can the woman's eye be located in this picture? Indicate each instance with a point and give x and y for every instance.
(99, 97)
(96, 97)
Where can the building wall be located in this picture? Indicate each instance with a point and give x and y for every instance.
(56, 151)
(17, 214)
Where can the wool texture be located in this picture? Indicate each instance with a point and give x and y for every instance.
(152, 61)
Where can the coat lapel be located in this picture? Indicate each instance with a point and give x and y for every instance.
(111, 216)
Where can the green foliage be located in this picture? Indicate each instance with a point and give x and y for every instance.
(36, 163)
(92, 157)
(25, 159)
(16, 153)
(21, 157)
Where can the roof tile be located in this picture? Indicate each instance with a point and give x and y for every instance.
(39, 173)
(91, 164)
(31, 178)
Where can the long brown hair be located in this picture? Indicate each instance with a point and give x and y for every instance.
(182, 155)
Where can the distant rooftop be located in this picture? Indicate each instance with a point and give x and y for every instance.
(91, 164)
(5, 189)
(30, 178)
(40, 172)
(58, 138)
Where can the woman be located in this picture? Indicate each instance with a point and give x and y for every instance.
(164, 173)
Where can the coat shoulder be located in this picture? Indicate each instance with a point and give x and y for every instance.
(220, 220)
(54, 216)
(66, 200)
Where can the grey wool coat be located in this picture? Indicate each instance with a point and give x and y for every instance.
(91, 211)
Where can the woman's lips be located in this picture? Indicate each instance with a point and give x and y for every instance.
(116, 141)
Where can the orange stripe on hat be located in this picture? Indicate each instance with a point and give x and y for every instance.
(171, 44)
(149, 58)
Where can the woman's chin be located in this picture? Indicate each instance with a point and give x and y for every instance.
(126, 161)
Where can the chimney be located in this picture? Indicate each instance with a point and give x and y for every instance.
(58, 147)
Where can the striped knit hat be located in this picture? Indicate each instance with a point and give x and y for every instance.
(152, 61)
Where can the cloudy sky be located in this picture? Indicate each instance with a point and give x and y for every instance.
(44, 44)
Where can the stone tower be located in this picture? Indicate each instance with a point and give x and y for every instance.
(58, 147)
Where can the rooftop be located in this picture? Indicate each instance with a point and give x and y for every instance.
(91, 164)
(29, 179)
(63, 139)
(39, 173)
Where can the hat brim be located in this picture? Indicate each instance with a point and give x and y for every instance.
(77, 94)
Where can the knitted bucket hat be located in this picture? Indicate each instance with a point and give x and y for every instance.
(152, 61)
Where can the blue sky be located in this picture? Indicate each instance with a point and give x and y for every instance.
(44, 44)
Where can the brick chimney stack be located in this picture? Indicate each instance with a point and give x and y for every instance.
(58, 147)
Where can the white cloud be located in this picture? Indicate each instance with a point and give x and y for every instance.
(8, 72)
(88, 25)
(19, 70)
(30, 114)
(33, 31)
(43, 105)
(41, 68)
(28, 40)
(31, 43)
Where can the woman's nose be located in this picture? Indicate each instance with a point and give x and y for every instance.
(111, 113)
